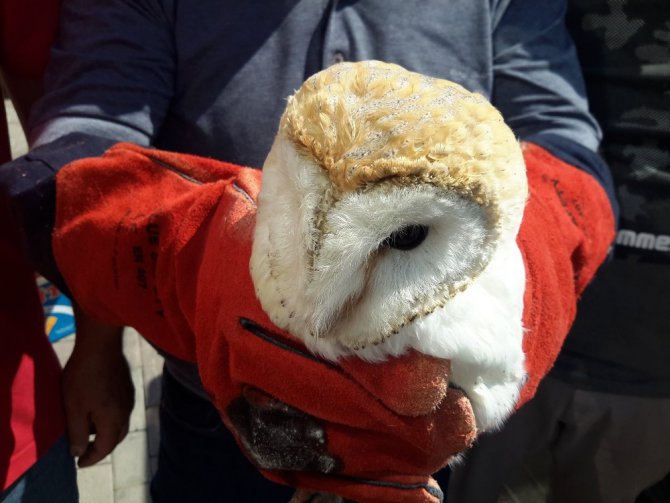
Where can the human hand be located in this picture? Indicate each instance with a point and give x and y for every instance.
(98, 391)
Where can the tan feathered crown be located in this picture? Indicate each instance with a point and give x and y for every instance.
(372, 121)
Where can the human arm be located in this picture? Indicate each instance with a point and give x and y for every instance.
(110, 73)
(98, 393)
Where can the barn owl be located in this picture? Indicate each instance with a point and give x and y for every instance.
(386, 222)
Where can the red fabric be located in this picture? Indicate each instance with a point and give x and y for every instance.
(27, 30)
(565, 235)
(31, 415)
(172, 239)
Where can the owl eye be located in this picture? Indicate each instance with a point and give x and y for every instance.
(407, 238)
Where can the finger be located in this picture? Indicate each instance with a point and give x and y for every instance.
(105, 440)
(78, 430)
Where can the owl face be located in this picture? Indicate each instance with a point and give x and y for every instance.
(386, 221)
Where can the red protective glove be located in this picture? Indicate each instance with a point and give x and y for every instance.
(566, 233)
(171, 235)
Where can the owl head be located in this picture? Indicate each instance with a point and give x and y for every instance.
(386, 222)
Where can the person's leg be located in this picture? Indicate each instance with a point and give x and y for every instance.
(52, 478)
(199, 460)
(613, 447)
(497, 456)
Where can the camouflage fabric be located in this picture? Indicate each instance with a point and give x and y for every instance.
(621, 339)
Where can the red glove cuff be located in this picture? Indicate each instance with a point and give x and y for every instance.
(566, 232)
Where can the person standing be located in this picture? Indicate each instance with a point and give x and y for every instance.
(35, 462)
(603, 410)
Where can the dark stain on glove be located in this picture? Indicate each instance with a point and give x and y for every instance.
(279, 437)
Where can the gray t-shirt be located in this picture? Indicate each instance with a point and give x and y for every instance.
(211, 77)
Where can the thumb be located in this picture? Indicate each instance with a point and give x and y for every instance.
(78, 430)
(106, 437)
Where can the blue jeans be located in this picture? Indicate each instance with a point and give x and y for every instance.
(52, 478)
(199, 460)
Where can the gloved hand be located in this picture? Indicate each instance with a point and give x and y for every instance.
(170, 228)
(172, 239)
